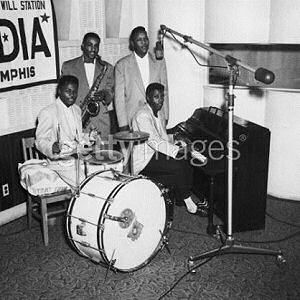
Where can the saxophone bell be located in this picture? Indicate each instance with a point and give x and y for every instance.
(93, 108)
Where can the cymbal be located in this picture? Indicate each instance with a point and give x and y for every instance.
(103, 157)
(73, 153)
(131, 135)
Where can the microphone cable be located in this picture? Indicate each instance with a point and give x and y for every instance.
(271, 241)
(292, 235)
(282, 221)
(191, 232)
(185, 274)
(184, 46)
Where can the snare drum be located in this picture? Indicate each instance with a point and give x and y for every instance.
(119, 220)
(102, 160)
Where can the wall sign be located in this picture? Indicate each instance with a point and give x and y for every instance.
(28, 44)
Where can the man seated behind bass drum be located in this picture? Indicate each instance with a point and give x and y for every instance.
(59, 129)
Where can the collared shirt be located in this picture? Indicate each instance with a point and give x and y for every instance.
(143, 63)
(90, 71)
(159, 126)
(68, 120)
(158, 141)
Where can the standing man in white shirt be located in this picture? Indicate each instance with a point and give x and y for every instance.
(133, 73)
(87, 68)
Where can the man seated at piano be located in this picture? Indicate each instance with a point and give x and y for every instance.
(59, 133)
(161, 159)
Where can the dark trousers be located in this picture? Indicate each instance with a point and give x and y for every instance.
(174, 174)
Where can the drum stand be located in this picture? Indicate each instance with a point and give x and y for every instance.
(77, 172)
(229, 245)
(131, 137)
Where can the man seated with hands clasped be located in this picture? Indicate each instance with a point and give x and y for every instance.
(59, 130)
(159, 157)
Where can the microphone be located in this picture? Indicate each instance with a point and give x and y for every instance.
(159, 47)
(163, 27)
(264, 75)
(261, 74)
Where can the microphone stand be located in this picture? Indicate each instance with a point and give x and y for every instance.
(228, 245)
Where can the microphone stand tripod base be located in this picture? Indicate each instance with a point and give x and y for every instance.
(229, 247)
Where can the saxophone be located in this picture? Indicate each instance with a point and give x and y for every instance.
(90, 106)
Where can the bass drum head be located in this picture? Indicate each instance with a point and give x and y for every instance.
(131, 244)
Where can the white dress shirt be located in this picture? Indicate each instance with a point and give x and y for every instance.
(144, 120)
(143, 63)
(90, 71)
(67, 120)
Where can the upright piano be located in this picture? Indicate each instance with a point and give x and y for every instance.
(207, 128)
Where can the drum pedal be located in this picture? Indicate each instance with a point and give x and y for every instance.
(95, 259)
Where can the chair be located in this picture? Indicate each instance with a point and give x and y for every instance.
(39, 206)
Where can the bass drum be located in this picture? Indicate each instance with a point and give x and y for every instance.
(119, 220)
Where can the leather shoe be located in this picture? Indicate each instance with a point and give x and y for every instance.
(202, 208)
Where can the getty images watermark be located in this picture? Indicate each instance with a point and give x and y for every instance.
(213, 150)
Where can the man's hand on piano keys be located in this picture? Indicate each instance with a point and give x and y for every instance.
(184, 150)
(181, 139)
(189, 151)
(197, 155)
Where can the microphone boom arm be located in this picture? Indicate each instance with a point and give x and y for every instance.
(261, 74)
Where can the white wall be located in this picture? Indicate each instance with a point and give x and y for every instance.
(248, 104)
(252, 21)
(134, 13)
(283, 120)
(185, 77)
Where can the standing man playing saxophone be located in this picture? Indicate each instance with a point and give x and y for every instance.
(88, 68)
